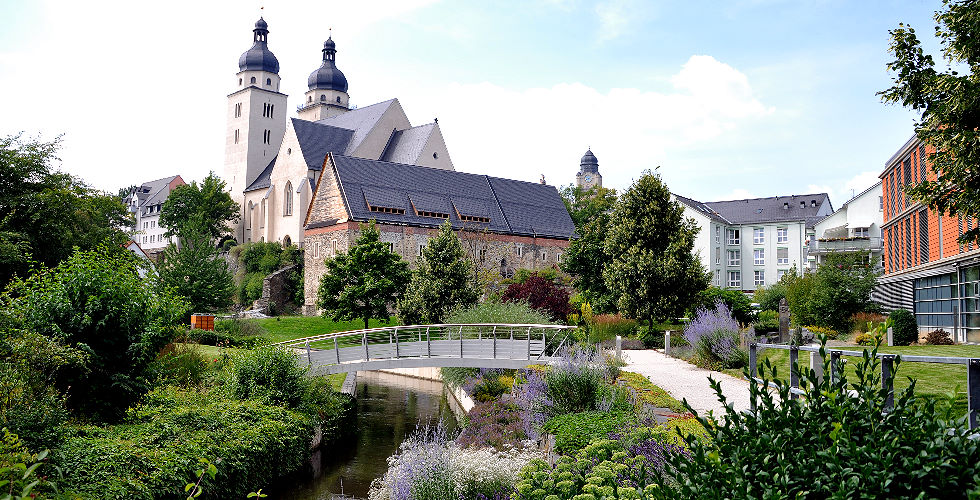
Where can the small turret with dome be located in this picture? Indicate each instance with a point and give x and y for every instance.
(258, 66)
(588, 175)
(327, 94)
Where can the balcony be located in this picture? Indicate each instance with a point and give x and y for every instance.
(856, 244)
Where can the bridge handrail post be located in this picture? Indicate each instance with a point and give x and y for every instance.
(528, 342)
(428, 343)
(309, 358)
(364, 342)
(336, 350)
(396, 343)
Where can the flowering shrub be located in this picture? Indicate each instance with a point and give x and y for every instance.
(530, 394)
(429, 466)
(865, 339)
(576, 381)
(543, 295)
(714, 333)
(494, 424)
(488, 384)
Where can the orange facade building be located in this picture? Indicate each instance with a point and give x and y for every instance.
(927, 271)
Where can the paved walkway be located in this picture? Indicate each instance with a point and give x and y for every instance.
(684, 380)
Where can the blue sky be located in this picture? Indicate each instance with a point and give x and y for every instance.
(729, 99)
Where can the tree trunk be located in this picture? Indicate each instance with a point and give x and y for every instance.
(366, 323)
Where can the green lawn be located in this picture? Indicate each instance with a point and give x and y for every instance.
(284, 328)
(932, 379)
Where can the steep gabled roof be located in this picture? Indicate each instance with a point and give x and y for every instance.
(264, 180)
(406, 145)
(317, 139)
(766, 210)
(360, 121)
(154, 192)
(400, 192)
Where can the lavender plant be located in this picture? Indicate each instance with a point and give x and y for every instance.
(714, 333)
(531, 398)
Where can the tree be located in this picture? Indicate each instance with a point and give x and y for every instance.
(737, 302)
(442, 281)
(195, 270)
(653, 272)
(206, 208)
(949, 105)
(96, 304)
(44, 213)
(364, 282)
(828, 297)
(541, 294)
(586, 257)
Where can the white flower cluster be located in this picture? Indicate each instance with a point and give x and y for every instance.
(464, 468)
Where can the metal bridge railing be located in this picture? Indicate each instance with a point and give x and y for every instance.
(480, 341)
(887, 368)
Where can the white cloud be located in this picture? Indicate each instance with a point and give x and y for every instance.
(614, 18)
(859, 183)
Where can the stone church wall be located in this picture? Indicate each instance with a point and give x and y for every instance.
(498, 253)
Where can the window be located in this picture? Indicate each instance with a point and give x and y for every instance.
(734, 236)
(782, 256)
(437, 215)
(780, 273)
(152, 238)
(248, 216)
(520, 251)
(759, 256)
(421, 247)
(323, 98)
(333, 247)
(717, 234)
(734, 257)
(544, 256)
(239, 81)
(717, 277)
(758, 235)
(268, 81)
(387, 210)
(236, 136)
(253, 80)
(861, 232)
(782, 235)
(734, 279)
(760, 278)
(474, 218)
(287, 199)
(262, 216)
(483, 254)
(267, 137)
(238, 110)
(391, 247)
(558, 257)
(881, 203)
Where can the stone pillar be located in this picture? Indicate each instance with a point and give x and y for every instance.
(783, 320)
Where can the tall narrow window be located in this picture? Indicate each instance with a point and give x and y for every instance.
(782, 235)
(268, 81)
(782, 256)
(236, 136)
(734, 257)
(272, 110)
(759, 256)
(253, 80)
(248, 216)
(287, 199)
(262, 216)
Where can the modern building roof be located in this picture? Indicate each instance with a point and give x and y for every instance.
(424, 196)
(259, 57)
(154, 192)
(406, 145)
(809, 208)
(328, 76)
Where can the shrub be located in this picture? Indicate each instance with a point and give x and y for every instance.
(885, 450)
(737, 303)
(23, 475)
(457, 375)
(493, 424)
(865, 339)
(939, 337)
(543, 295)
(573, 431)
(530, 393)
(714, 334)
(181, 364)
(486, 386)
(864, 321)
(250, 289)
(576, 381)
(608, 326)
(904, 329)
(269, 374)
(654, 338)
(499, 312)
(820, 330)
(768, 298)
(648, 393)
(766, 321)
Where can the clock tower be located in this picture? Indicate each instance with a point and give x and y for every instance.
(588, 175)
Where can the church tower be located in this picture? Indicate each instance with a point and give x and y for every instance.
(588, 175)
(328, 88)
(256, 116)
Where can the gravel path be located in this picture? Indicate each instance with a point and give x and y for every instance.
(684, 380)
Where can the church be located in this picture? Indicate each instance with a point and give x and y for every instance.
(314, 179)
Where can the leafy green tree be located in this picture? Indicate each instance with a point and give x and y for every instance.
(206, 208)
(95, 302)
(653, 272)
(364, 282)
(45, 213)
(842, 287)
(586, 257)
(768, 297)
(196, 271)
(949, 105)
(738, 303)
(442, 281)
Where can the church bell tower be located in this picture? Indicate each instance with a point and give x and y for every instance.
(588, 175)
(328, 88)
(256, 116)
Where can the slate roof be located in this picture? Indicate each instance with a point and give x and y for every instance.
(361, 121)
(153, 192)
(765, 210)
(406, 145)
(513, 207)
(316, 139)
(263, 181)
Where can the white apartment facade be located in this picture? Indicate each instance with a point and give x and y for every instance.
(145, 203)
(855, 228)
(748, 244)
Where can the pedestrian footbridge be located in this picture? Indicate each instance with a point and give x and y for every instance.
(467, 345)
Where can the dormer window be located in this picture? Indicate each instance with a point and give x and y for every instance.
(437, 215)
(802, 204)
(323, 98)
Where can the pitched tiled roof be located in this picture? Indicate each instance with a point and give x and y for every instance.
(361, 121)
(154, 192)
(263, 181)
(513, 207)
(317, 139)
(406, 145)
(766, 210)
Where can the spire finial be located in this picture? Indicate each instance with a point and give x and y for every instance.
(329, 33)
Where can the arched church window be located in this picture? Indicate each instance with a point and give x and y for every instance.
(286, 241)
(248, 217)
(268, 81)
(309, 99)
(323, 98)
(253, 79)
(239, 81)
(287, 199)
(338, 98)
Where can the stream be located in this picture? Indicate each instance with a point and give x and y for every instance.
(389, 408)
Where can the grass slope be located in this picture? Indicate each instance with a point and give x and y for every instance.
(284, 328)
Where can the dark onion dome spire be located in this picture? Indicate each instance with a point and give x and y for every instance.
(259, 57)
(589, 162)
(327, 76)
